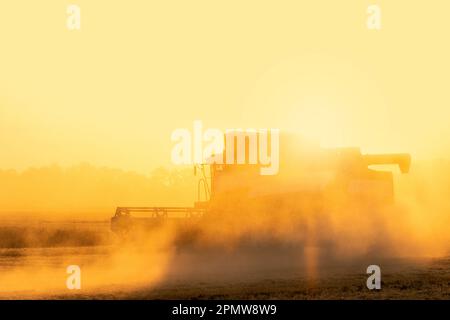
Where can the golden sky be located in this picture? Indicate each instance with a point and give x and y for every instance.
(112, 93)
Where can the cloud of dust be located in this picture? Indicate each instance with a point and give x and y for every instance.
(319, 207)
(331, 206)
(43, 273)
(424, 222)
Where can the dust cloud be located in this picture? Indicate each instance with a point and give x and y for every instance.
(42, 272)
(315, 223)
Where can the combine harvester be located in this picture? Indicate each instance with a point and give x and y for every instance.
(311, 181)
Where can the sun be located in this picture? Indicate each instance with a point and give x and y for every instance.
(318, 122)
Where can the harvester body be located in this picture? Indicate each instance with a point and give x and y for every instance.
(310, 182)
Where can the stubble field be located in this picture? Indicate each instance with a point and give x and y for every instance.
(34, 257)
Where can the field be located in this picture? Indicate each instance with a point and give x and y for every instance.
(34, 257)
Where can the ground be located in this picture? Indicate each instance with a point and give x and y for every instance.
(39, 271)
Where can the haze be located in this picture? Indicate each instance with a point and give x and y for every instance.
(112, 93)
